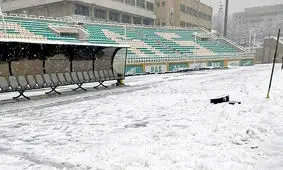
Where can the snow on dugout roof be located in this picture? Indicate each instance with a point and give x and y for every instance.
(54, 42)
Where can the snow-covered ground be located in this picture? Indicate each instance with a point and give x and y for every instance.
(157, 122)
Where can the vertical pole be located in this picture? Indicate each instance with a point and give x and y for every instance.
(3, 20)
(10, 67)
(71, 64)
(198, 13)
(226, 18)
(195, 47)
(254, 41)
(271, 77)
(71, 57)
(125, 66)
(125, 32)
(250, 40)
(43, 66)
(93, 58)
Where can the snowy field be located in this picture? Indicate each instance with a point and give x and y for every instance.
(157, 122)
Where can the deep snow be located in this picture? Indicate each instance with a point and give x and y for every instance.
(158, 122)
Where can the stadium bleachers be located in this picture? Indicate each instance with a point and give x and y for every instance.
(144, 41)
(149, 41)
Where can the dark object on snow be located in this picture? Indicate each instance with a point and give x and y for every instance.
(235, 102)
(222, 99)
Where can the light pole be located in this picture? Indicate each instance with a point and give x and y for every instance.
(250, 40)
(198, 1)
(254, 40)
(196, 32)
(226, 18)
(125, 32)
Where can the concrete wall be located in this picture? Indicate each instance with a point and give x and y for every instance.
(59, 9)
(266, 54)
(122, 7)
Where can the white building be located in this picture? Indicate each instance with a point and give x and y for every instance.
(127, 11)
(256, 23)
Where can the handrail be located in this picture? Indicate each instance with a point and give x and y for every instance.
(223, 38)
(208, 32)
(232, 43)
(154, 58)
(82, 29)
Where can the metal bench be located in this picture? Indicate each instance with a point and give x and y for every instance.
(19, 85)
(53, 83)
(77, 80)
(54, 80)
(100, 78)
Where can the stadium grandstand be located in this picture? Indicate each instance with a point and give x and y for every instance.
(186, 43)
(153, 49)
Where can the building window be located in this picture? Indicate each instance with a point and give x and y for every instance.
(163, 3)
(114, 16)
(147, 21)
(150, 6)
(194, 12)
(182, 24)
(157, 4)
(82, 10)
(141, 3)
(119, 0)
(188, 10)
(158, 22)
(126, 19)
(130, 2)
(137, 20)
(99, 13)
(183, 8)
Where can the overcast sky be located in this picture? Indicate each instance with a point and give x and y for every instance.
(240, 5)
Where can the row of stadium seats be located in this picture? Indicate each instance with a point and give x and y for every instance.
(22, 83)
(97, 36)
(35, 29)
(146, 41)
(167, 41)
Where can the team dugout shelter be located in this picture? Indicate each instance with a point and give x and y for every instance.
(31, 64)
